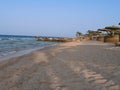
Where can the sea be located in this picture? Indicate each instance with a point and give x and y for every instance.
(16, 45)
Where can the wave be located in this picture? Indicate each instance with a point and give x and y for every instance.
(13, 39)
(11, 45)
(7, 39)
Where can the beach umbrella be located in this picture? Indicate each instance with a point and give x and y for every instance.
(108, 31)
(112, 27)
(103, 29)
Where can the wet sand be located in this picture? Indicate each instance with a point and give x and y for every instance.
(87, 65)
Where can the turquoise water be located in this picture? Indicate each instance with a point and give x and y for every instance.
(12, 44)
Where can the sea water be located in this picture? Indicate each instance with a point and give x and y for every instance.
(11, 44)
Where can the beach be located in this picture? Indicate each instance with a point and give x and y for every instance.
(85, 65)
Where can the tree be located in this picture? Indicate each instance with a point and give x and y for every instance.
(93, 33)
(78, 34)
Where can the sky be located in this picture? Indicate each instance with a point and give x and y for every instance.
(61, 18)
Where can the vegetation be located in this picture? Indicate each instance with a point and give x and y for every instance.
(78, 34)
(93, 33)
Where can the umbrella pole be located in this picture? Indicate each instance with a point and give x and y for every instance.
(119, 37)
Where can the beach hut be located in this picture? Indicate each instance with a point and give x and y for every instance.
(113, 33)
(113, 29)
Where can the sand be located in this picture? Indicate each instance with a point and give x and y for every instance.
(86, 65)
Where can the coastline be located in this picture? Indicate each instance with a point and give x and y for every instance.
(22, 52)
(86, 65)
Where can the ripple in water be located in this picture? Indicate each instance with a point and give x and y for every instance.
(13, 44)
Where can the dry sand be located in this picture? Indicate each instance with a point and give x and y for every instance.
(87, 65)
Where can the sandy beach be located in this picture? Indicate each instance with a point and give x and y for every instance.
(86, 65)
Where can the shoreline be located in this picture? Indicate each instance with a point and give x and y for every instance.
(29, 51)
(22, 52)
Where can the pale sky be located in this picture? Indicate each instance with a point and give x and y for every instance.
(61, 18)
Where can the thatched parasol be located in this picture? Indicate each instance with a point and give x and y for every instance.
(103, 29)
(111, 30)
(108, 31)
(112, 27)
